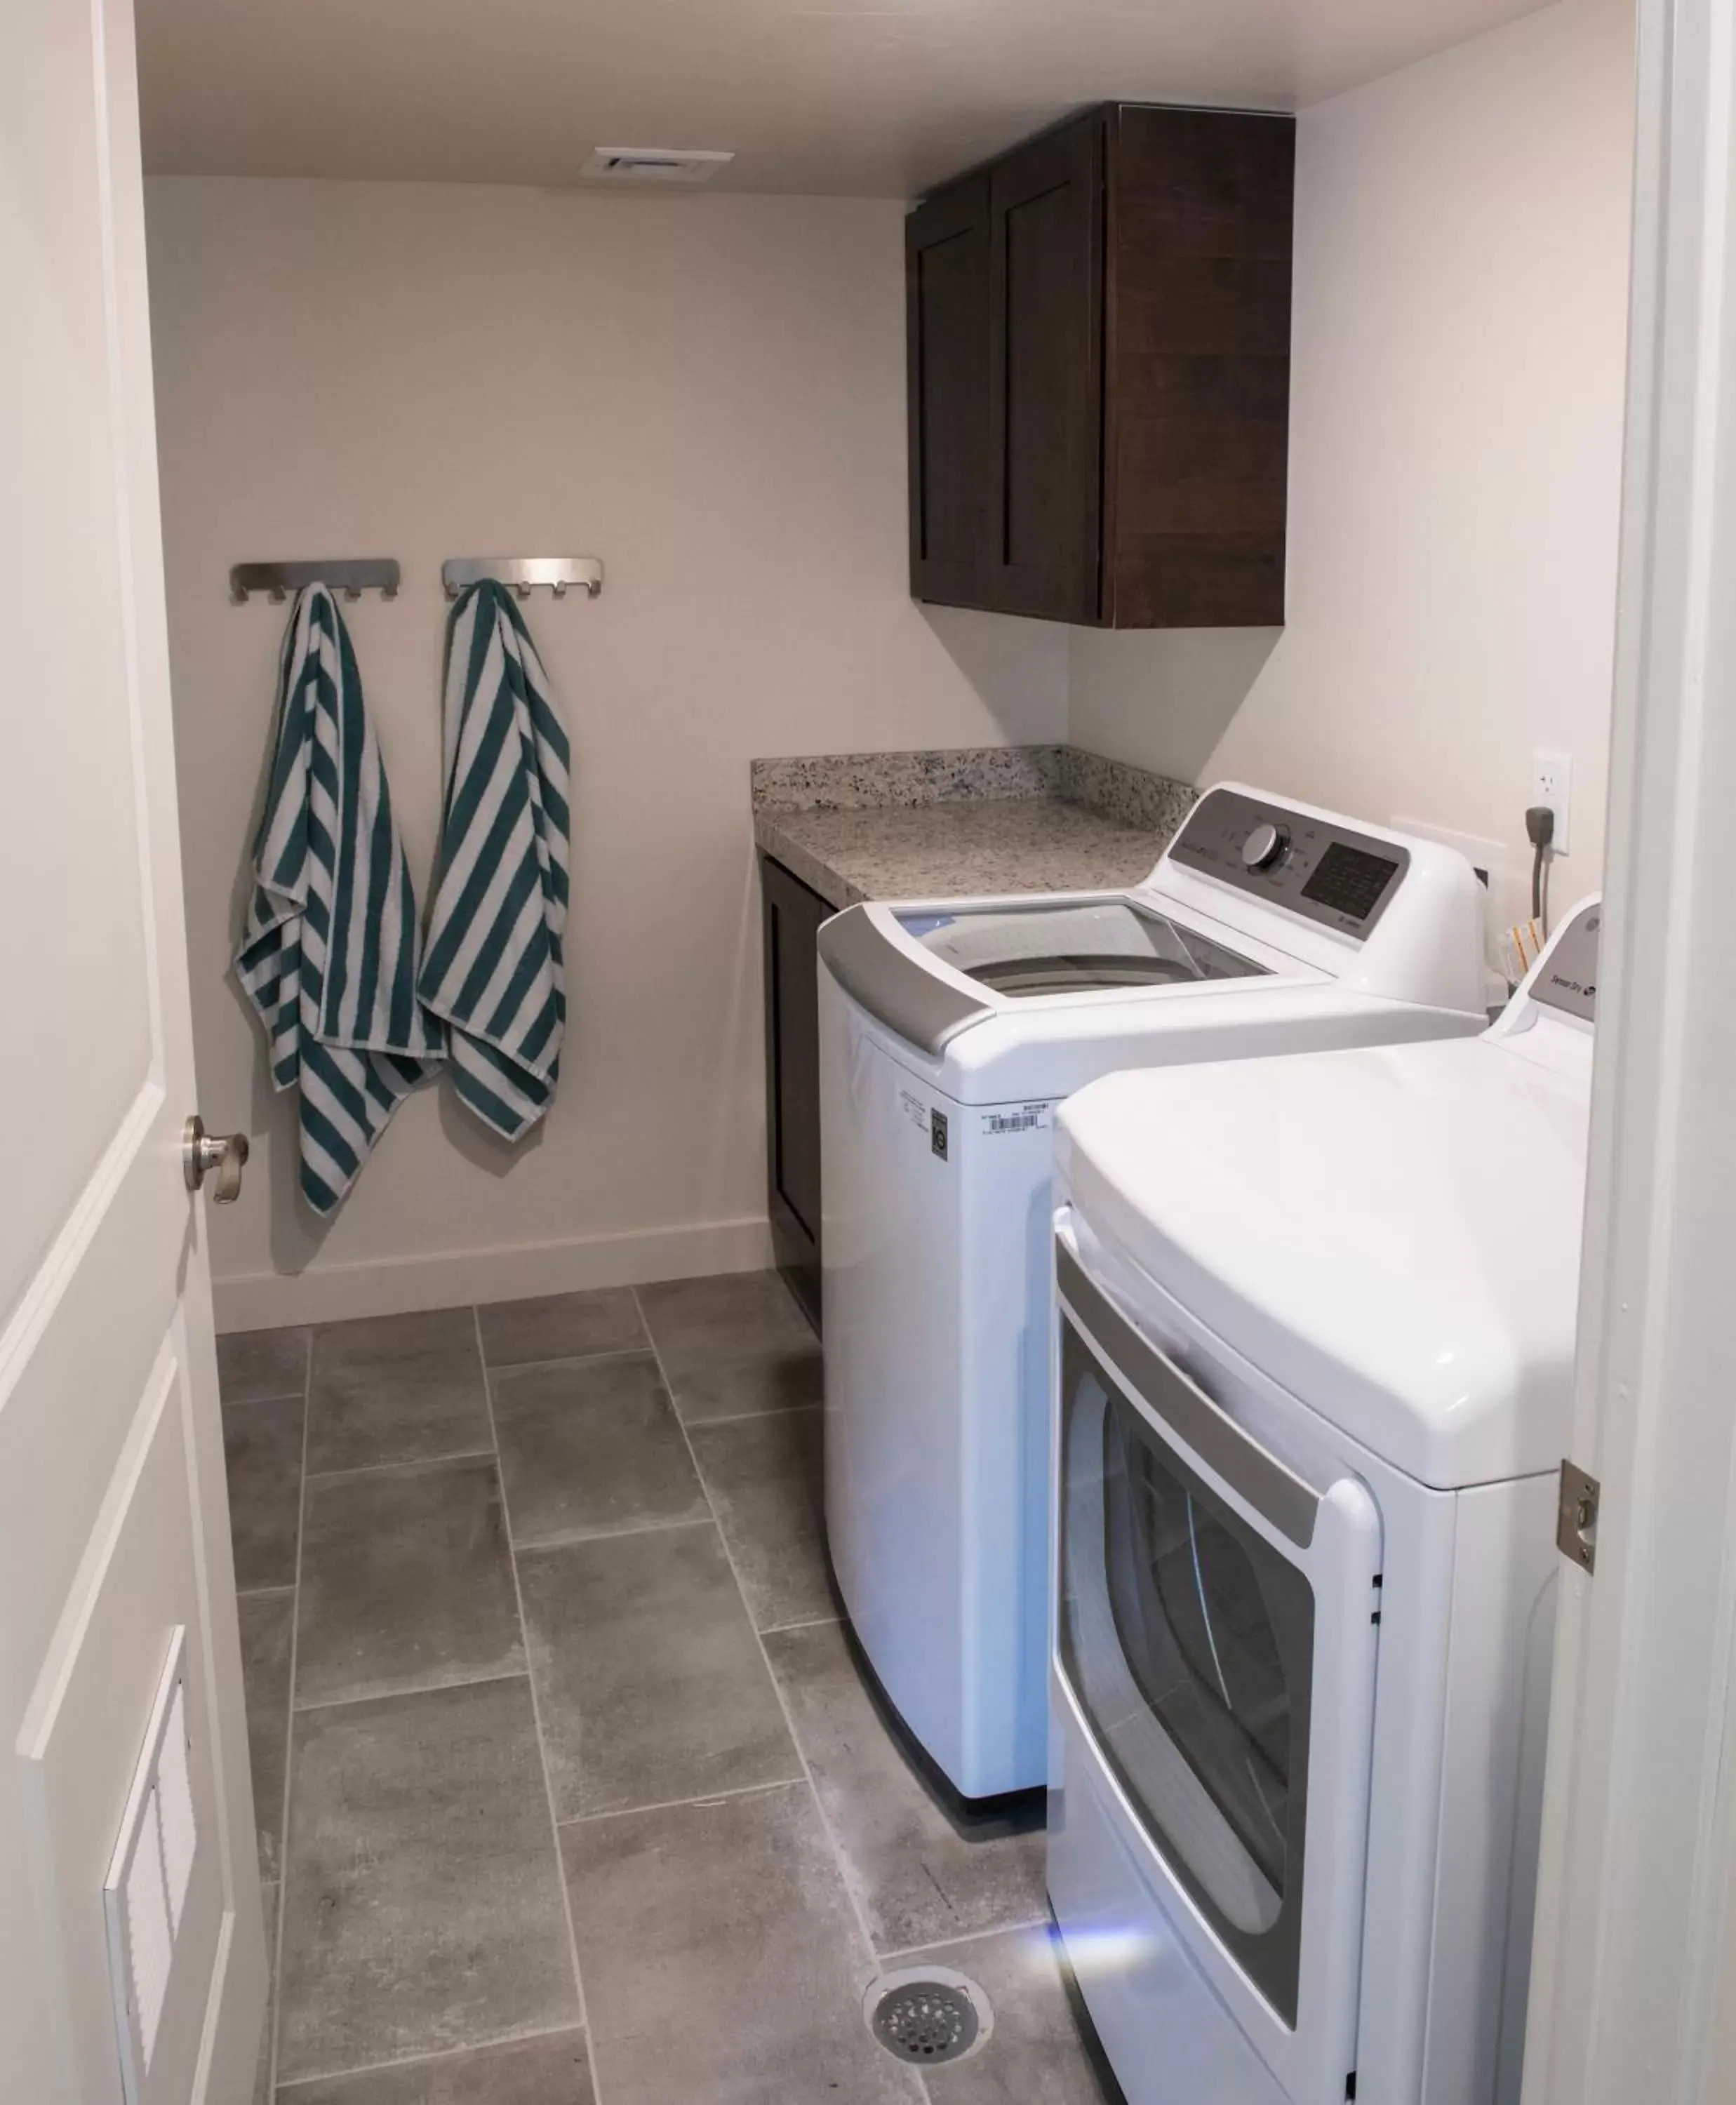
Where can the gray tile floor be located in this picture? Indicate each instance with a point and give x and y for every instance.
(569, 1792)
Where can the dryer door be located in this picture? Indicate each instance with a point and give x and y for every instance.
(1215, 1632)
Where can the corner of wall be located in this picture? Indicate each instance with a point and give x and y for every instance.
(1162, 698)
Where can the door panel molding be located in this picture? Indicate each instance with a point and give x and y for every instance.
(57, 1274)
(1061, 583)
(137, 1583)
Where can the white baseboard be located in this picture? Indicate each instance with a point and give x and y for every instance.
(393, 1286)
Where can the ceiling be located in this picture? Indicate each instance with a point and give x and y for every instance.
(876, 98)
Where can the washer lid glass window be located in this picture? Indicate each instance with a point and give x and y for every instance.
(1022, 951)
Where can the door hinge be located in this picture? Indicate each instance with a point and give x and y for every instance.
(1576, 1516)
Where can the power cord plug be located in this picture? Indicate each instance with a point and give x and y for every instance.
(1540, 830)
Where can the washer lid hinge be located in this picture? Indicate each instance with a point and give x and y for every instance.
(1576, 1516)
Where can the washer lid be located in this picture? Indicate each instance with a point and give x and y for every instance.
(1026, 949)
(1391, 1234)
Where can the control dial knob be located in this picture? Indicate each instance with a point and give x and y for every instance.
(1265, 847)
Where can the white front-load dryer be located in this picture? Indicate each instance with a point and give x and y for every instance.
(950, 1030)
(1312, 1380)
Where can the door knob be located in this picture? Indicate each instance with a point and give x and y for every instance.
(201, 1152)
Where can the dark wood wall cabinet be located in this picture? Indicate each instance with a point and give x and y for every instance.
(1099, 328)
(791, 914)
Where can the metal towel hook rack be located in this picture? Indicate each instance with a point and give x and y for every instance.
(352, 575)
(524, 573)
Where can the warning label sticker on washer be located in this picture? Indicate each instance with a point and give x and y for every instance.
(914, 1110)
(1018, 1117)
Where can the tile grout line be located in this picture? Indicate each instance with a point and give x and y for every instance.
(970, 1936)
(777, 1689)
(282, 1825)
(422, 2060)
(410, 1461)
(922, 2084)
(536, 1712)
(675, 1804)
(748, 1417)
(421, 1688)
(584, 1541)
(569, 1358)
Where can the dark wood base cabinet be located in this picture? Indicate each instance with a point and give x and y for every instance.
(791, 914)
(1099, 328)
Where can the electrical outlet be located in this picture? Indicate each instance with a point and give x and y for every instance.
(1552, 784)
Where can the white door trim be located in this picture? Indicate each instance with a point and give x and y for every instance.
(1634, 1987)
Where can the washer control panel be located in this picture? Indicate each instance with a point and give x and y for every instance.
(1265, 847)
(1313, 867)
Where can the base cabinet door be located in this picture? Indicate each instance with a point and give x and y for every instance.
(792, 915)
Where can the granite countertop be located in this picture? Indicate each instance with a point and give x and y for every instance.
(952, 825)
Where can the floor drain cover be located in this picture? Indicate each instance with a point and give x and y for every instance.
(928, 2015)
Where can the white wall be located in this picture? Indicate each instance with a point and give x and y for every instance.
(1458, 346)
(707, 393)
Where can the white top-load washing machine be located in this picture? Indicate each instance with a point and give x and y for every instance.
(1312, 1377)
(949, 1032)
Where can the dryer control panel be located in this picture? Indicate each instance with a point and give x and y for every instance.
(1327, 873)
(1566, 978)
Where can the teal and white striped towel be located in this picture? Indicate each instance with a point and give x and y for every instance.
(328, 952)
(494, 970)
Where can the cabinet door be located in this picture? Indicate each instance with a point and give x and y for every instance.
(792, 919)
(946, 319)
(1045, 390)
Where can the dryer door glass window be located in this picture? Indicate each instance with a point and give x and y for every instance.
(1187, 1639)
(1088, 949)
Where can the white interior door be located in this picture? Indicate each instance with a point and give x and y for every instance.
(1633, 1989)
(113, 1540)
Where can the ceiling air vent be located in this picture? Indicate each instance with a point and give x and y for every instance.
(653, 164)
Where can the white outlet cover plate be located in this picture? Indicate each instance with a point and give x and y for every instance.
(1556, 768)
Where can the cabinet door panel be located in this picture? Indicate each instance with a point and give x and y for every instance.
(792, 919)
(1045, 396)
(946, 270)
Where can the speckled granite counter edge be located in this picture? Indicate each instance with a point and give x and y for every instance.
(868, 781)
(817, 875)
(862, 781)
